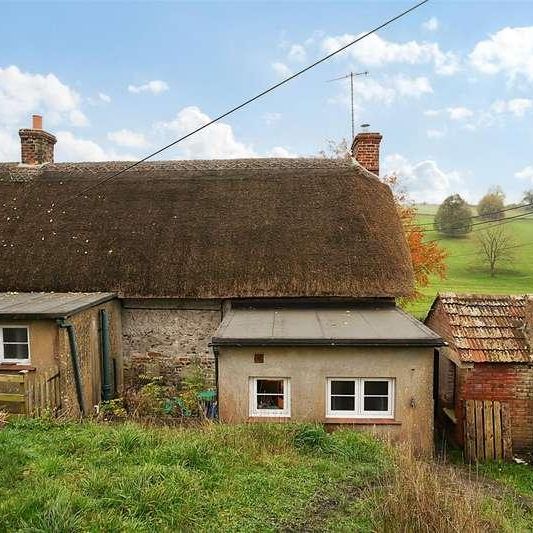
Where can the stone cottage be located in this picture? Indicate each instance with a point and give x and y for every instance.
(188, 244)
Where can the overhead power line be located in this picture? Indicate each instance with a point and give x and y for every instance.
(522, 206)
(243, 104)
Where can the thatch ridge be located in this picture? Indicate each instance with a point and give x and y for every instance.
(203, 229)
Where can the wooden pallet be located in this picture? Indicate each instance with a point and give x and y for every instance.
(487, 431)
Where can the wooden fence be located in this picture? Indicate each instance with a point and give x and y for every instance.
(487, 431)
(36, 394)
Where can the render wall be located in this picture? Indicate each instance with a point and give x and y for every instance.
(87, 327)
(308, 369)
(163, 342)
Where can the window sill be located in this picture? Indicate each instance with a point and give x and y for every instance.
(364, 421)
(16, 367)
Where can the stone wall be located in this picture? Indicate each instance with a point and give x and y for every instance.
(162, 342)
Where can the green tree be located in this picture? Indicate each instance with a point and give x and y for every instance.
(454, 217)
(528, 199)
(491, 205)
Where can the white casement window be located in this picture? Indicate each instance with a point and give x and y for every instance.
(360, 398)
(14, 344)
(270, 397)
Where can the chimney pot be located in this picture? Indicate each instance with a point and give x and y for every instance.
(365, 149)
(37, 122)
(36, 145)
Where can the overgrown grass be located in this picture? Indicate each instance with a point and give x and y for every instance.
(89, 476)
(66, 476)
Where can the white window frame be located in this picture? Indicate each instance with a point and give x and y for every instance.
(359, 411)
(10, 360)
(269, 413)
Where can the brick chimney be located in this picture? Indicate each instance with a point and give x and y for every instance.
(365, 149)
(36, 145)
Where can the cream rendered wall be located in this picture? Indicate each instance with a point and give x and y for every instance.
(308, 369)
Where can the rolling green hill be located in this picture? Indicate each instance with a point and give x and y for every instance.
(466, 272)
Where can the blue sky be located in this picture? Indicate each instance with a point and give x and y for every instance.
(450, 86)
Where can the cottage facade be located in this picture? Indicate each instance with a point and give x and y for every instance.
(488, 357)
(185, 243)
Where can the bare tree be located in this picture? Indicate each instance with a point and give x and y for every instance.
(495, 246)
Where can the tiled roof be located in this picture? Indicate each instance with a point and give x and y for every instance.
(483, 328)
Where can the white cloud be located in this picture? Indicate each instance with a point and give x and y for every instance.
(516, 106)
(280, 151)
(297, 53)
(128, 138)
(376, 51)
(9, 146)
(384, 91)
(216, 141)
(459, 113)
(424, 180)
(72, 148)
(454, 113)
(525, 174)
(104, 97)
(271, 118)
(431, 24)
(435, 134)
(23, 93)
(508, 51)
(281, 69)
(154, 87)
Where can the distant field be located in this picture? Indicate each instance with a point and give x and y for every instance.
(466, 273)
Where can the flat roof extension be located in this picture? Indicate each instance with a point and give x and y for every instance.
(29, 305)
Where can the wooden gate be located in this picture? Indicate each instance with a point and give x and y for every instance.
(487, 431)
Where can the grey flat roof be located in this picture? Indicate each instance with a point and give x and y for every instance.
(354, 326)
(24, 305)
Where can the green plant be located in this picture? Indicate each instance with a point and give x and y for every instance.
(112, 409)
(453, 217)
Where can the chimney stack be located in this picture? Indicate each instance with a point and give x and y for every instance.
(37, 145)
(365, 149)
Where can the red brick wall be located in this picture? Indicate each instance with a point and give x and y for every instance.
(36, 146)
(505, 382)
(365, 149)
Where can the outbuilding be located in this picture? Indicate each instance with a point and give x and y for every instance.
(488, 358)
(59, 351)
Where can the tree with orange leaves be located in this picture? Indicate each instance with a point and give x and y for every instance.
(427, 256)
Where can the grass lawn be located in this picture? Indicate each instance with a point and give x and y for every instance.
(99, 477)
(466, 273)
(73, 477)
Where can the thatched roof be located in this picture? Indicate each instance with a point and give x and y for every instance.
(202, 229)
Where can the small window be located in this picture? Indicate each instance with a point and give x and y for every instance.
(360, 397)
(269, 397)
(14, 344)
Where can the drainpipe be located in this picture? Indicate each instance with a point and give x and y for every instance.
(106, 357)
(63, 323)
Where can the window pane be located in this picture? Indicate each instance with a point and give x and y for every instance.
(342, 403)
(343, 387)
(376, 404)
(270, 402)
(378, 388)
(15, 335)
(15, 351)
(270, 386)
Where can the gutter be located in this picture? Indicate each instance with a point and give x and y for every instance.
(220, 341)
(106, 356)
(74, 356)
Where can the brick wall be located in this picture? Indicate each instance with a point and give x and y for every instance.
(505, 382)
(37, 147)
(365, 149)
(162, 342)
